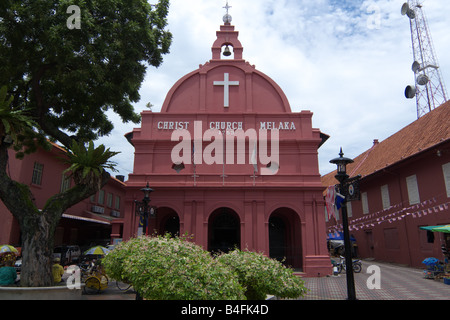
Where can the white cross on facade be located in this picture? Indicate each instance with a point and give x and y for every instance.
(226, 83)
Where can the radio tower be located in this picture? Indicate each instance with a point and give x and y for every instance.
(429, 89)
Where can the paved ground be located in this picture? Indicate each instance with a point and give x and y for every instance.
(111, 293)
(397, 283)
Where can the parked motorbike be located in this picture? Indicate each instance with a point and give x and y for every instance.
(341, 265)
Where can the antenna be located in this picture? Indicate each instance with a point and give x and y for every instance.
(429, 89)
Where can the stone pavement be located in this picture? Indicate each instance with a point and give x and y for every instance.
(397, 283)
(111, 293)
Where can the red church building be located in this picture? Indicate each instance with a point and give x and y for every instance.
(231, 164)
(405, 186)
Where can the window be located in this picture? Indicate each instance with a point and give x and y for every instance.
(413, 190)
(365, 203)
(109, 198)
(385, 197)
(37, 173)
(117, 203)
(349, 209)
(446, 170)
(101, 196)
(65, 182)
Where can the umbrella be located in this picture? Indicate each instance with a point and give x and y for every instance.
(98, 250)
(7, 248)
(445, 228)
(430, 261)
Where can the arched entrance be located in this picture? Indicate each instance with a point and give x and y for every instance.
(224, 232)
(167, 221)
(285, 238)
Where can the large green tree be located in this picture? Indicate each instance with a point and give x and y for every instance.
(65, 63)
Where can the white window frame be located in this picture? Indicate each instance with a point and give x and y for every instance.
(109, 199)
(117, 203)
(38, 172)
(446, 172)
(101, 197)
(413, 189)
(349, 209)
(66, 181)
(386, 201)
(365, 202)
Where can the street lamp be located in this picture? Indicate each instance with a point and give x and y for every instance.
(143, 209)
(342, 177)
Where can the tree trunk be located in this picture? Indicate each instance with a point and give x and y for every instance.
(37, 252)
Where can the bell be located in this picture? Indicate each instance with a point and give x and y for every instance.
(227, 51)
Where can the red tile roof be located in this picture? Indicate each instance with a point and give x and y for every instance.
(426, 132)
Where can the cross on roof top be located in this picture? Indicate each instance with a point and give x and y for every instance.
(227, 7)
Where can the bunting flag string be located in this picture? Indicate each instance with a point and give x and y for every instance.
(393, 214)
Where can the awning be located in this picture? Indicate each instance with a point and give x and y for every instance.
(442, 228)
(69, 216)
(428, 228)
(339, 236)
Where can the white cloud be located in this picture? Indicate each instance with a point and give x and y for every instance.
(346, 61)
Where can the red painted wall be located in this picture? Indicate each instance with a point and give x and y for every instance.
(293, 194)
(396, 236)
(69, 231)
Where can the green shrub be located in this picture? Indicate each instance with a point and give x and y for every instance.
(164, 268)
(261, 275)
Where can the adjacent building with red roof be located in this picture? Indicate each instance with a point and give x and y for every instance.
(405, 184)
(96, 220)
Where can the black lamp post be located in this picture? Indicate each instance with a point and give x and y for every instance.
(342, 177)
(143, 209)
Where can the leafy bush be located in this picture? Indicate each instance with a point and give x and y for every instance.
(262, 275)
(164, 268)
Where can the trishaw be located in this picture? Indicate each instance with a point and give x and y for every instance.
(92, 272)
(97, 281)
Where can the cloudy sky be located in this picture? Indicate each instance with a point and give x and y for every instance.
(347, 61)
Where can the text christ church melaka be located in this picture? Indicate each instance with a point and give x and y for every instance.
(228, 193)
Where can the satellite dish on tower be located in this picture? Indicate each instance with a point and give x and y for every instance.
(410, 92)
(422, 79)
(428, 87)
(408, 11)
(415, 66)
(405, 8)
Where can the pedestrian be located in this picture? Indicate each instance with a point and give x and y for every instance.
(57, 271)
(8, 274)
